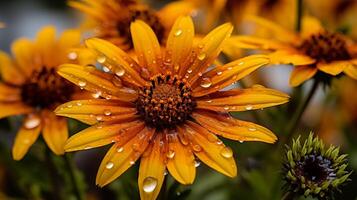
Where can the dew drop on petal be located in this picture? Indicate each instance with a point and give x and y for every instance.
(132, 162)
(189, 71)
(226, 107)
(72, 55)
(252, 129)
(82, 83)
(32, 122)
(241, 63)
(170, 154)
(206, 83)
(120, 149)
(249, 107)
(119, 71)
(197, 163)
(149, 184)
(219, 73)
(178, 32)
(197, 148)
(109, 165)
(106, 69)
(101, 59)
(107, 112)
(227, 152)
(201, 56)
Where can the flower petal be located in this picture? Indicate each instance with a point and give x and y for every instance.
(46, 44)
(13, 108)
(290, 57)
(351, 71)
(94, 110)
(116, 60)
(253, 42)
(210, 150)
(223, 76)
(234, 129)
(147, 46)
(102, 134)
(179, 42)
(55, 132)
(123, 155)
(181, 162)
(24, 140)
(9, 71)
(256, 97)
(24, 56)
(206, 52)
(301, 74)
(70, 38)
(173, 10)
(310, 25)
(151, 171)
(95, 81)
(9, 93)
(334, 68)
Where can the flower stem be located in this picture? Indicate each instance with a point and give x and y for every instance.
(288, 196)
(300, 111)
(54, 176)
(299, 15)
(71, 169)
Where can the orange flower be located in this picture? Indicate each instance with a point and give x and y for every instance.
(31, 86)
(166, 107)
(111, 18)
(315, 52)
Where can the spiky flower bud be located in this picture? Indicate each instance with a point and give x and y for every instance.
(310, 169)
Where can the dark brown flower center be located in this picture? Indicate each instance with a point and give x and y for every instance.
(316, 169)
(166, 103)
(326, 47)
(46, 89)
(146, 15)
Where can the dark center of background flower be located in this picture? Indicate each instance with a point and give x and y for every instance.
(326, 47)
(316, 169)
(166, 103)
(146, 15)
(46, 89)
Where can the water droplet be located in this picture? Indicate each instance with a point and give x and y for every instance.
(82, 83)
(87, 147)
(109, 165)
(79, 103)
(241, 63)
(106, 69)
(97, 94)
(170, 154)
(219, 142)
(201, 56)
(226, 107)
(206, 83)
(219, 73)
(197, 148)
(99, 118)
(249, 107)
(241, 141)
(197, 163)
(178, 32)
(107, 112)
(72, 55)
(200, 74)
(227, 152)
(189, 71)
(101, 59)
(132, 162)
(119, 71)
(120, 149)
(32, 122)
(252, 129)
(149, 184)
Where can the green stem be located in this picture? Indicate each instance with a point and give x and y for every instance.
(54, 176)
(289, 196)
(300, 111)
(71, 170)
(299, 15)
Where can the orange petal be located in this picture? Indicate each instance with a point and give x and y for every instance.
(301, 74)
(13, 108)
(206, 52)
(70, 38)
(290, 57)
(8, 70)
(334, 68)
(173, 10)
(26, 137)
(210, 150)
(253, 42)
(117, 61)
(86, 8)
(102, 134)
(151, 171)
(310, 25)
(46, 45)
(351, 71)
(281, 33)
(95, 81)
(223, 76)
(147, 46)
(24, 55)
(234, 129)
(9, 93)
(123, 155)
(179, 42)
(181, 162)
(55, 132)
(256, 97)
(95, 110)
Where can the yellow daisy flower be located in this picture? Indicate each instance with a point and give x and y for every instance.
(31, 87)
(166, 107)
(111, 18)
(315, 52)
